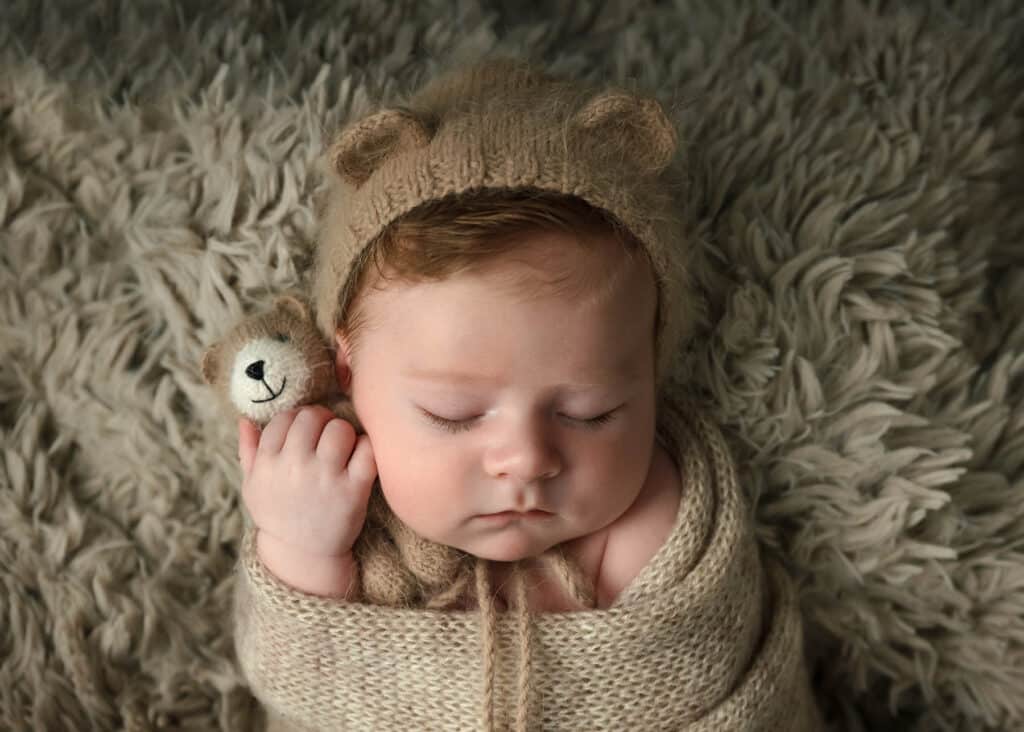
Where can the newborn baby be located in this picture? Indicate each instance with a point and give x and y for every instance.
(504, 272)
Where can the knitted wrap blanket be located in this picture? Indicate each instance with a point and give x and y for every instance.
(706, 637)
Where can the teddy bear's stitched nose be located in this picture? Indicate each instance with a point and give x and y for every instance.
(254, 370)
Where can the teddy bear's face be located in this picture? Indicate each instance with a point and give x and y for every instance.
(271, 362)
(268, 375)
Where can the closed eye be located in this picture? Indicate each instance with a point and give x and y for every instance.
(449, 425)
(461, 425)
(593, 422)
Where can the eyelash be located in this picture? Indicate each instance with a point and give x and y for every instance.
(461, 425)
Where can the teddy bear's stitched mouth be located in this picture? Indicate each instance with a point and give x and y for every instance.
(272, 396)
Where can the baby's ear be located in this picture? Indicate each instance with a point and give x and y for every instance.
(210, 364)
(293, 306)
(342, 361)
(365, 145)
(636, 124)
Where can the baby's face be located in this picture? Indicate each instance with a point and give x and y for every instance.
(506, 420)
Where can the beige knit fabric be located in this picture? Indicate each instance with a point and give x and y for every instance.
(703, 639)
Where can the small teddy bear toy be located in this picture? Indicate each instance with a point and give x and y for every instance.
(274, 361)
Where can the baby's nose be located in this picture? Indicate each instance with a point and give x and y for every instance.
(255, 370)
(526, 456)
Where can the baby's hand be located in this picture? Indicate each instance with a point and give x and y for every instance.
(307, 480)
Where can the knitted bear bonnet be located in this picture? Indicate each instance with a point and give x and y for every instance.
(507, 125)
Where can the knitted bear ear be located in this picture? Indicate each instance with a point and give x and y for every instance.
(637, 124)
(365, 145)
(210, 364)
(293, 306)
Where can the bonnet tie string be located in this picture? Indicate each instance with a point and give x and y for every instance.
(487, 623)
(488, 626)
(525, 634)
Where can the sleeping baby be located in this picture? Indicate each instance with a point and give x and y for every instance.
(529, 525)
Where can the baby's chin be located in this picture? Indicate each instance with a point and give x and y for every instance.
(509, 543)
(506, 546)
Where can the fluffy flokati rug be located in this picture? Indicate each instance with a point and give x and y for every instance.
(856, 176)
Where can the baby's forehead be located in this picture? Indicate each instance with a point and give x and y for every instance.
(584, 264)
(595, 274)
(542, 292)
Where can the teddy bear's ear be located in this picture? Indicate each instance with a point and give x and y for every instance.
(210, 364)
(363, 147)
(293, 306)
(638, 124)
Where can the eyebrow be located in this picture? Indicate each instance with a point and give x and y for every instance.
(622, 375)
(448, 376)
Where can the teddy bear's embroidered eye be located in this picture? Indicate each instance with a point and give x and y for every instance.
(283, 337)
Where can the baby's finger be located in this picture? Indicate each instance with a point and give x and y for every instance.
(362, 467)
(248, 439)
(305, 431)
(336, 443)
(274, 434)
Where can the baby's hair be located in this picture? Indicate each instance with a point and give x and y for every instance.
(458, 233)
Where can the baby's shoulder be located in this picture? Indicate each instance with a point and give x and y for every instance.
(635, 537)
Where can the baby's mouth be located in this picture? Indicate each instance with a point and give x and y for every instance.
(505, 516)
(272, 396)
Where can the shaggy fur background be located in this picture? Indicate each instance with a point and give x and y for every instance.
(856, 168)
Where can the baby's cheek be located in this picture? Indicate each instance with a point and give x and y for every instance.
(618, 476)
(413, 488)
(393, 470)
